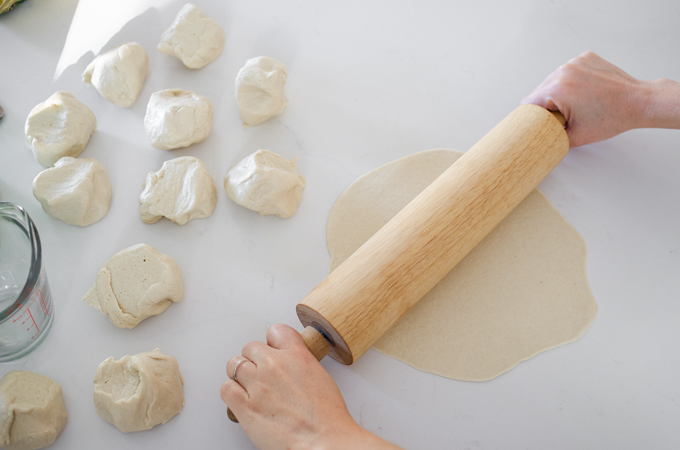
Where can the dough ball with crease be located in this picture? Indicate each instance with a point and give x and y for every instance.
(32, 412)
(75, 190)
(193, 38)
(60, 126)
(118, 75)
(267, 183)
(138, 392)
(177, 118)
(134, 284)
(181, 190)
(259, 90)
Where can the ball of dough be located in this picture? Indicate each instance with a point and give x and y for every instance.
(75, 190)
(181, 191)
(138, 392)
(118, 75)
(134, 284)
(259, 90)
(267, 183)
(61, 126)
(193, 38)
(177, 118)
(32, 412)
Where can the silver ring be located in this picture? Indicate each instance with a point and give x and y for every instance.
(236, 368)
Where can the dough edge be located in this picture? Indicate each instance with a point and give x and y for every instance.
(335, 261)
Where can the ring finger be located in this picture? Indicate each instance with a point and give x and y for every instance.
(241, 370)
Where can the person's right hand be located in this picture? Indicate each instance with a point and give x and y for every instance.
(599, 100)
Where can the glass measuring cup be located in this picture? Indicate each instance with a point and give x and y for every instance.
(26, 309)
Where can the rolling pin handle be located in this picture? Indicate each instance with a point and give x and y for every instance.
(231, 415)
(316, 343)
(558, 115)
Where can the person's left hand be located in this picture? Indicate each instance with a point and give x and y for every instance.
(285, 399)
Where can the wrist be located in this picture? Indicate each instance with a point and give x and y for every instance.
(351, 435)
(328, 434)
(660, 104)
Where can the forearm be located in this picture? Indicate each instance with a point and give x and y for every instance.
(353, 436)
(366, 439)
(661, 104)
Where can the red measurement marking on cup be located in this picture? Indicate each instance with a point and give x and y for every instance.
(42, 303)
(16, 305)
(34, 324)
(42, 299)
(30, 317)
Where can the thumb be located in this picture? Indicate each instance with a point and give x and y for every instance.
(536, 99)
(281, 336)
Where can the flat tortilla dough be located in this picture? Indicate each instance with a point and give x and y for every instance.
(521, 291)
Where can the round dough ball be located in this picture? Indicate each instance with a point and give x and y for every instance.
(138, 392)
(177, 118)
(75, 190)
(182, 190)
(259, 90)
(134, 284)
(193, 38)
(32, 412)
(267, 183)
(118, 75)
(61, 126)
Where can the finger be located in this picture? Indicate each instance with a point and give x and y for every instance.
(535, 99)
(577, 138)
(256, 351)
(547, 102)
(231, 365)
(282, 336)
(241, 370)
(589, 55)
(234, 395)
(553, 104)
(588, 59)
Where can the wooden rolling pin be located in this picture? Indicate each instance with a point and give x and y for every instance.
(364, 296)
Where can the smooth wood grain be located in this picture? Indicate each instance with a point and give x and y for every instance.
(558, 115)
(406, 258)
(316, 343)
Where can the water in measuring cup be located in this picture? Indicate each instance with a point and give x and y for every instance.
(8, 297)
(24, 324)
(26, 308)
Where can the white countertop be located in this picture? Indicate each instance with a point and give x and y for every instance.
(368, 82)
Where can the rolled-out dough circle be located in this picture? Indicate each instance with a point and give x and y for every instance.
(521, 291)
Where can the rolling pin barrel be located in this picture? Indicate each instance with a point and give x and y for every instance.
(363, 297)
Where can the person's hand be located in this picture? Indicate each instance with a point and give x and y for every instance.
(285, 399)
(599, 100)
